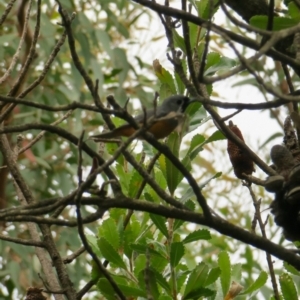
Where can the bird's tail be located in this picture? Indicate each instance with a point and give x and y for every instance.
(125, 130)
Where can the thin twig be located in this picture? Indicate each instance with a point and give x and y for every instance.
(84, 239)
(256, 204)
(8, 8)
(17, 54)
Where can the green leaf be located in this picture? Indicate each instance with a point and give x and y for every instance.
(95, 273)
(134, 184)
(93, 243)
(213, 275)
(200, 292)
(294, 11)
(279, 23)
(165, 77)
(176, 253)
(179, 41)
(213, 58)
(132, 292)
(196, 280)
(130, 235)
(139, 248)
(181, 276)
(119, 60)
(158, 246)
(103, 36)
(149, 275)
(288, 288)
(194, 33)
(106, 289)
(224, 264)
(190, 192)
(160, 279)
(162, 165)
(236, 271)
(197, 140)
(139, 264)
(203, 184)
(194, 108)
(291, 269)
(174, 176)
(257, 284)
(198, 117)
(179, 84)
(109, 231)
(165, 297)
(191, 205)
(165, 91)
(207, 8)
(201, 234)
(216, 136)
(224, 65)
(110, 253)
(43, 163)
(160, 223)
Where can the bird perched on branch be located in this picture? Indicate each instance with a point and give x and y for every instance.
(167, 118)
(286, 186)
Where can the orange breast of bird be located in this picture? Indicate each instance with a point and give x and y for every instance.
(160, 129)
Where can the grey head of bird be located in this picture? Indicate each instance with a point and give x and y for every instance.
(173, 104)
(282, 157)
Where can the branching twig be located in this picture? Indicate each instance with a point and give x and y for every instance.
(8, 8)
(16, 55)
(256, 204)
(83, 238)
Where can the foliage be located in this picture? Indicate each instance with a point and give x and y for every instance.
(148, 219)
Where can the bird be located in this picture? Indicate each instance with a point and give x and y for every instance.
(168, 116)
(283, 160)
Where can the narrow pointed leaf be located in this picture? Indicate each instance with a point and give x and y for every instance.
(106, 289)
(160, 223)
(132, 292)
(212, 276)
(291, 269)
(191, 205)
(201, 292)
(201, 234)
(110, 253)
(225, 276)
(279, 23)
(139, 248)
(288, 288)
(190, 192)
(134, 184)
(147, 275)
(166, 78)
(160, 279)
(174, 176)
(257, 284)
(109, 231)
(176, 253)
(197, 279)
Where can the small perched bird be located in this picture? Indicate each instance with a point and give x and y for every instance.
(169, 117)
(283, 160)
(286, 206)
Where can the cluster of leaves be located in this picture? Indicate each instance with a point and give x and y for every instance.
(148, 255)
